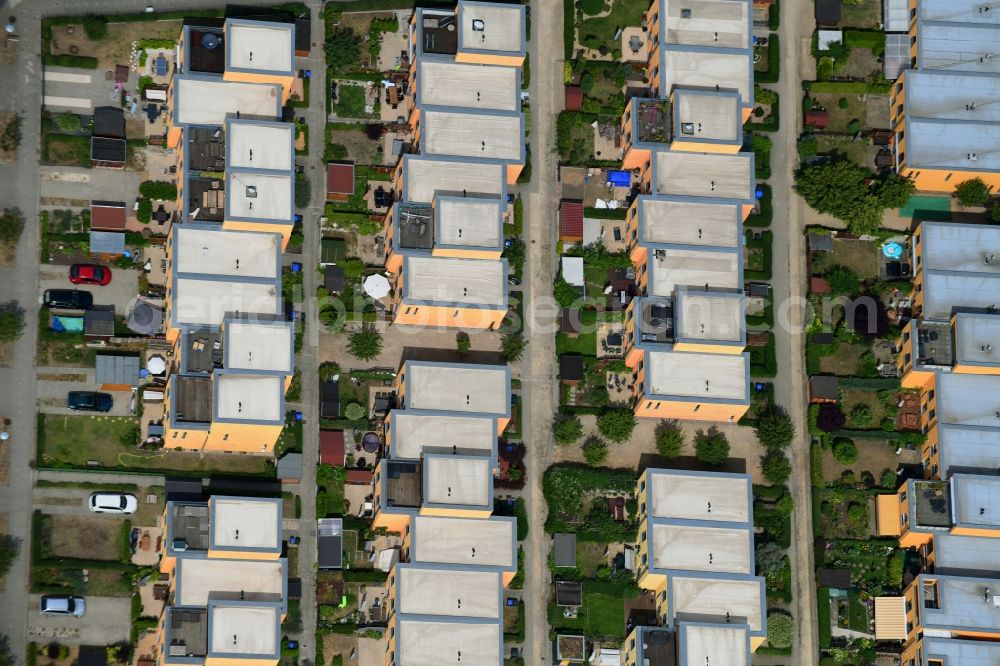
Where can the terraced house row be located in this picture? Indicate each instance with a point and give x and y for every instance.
(233, 346)
(445, 232)
(686, 333)
(435, 488)
(943, 108)
(950, 613)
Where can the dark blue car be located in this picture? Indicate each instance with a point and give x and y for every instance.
(89, 401)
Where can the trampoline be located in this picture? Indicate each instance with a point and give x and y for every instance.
(370, 442)
(892, 250)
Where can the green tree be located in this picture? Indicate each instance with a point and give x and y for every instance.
(833, 187)
(354, 412)
(566, 429)
(512, 346)
(992, 212)
(565, 293)
(462, 342)
(343, 47)
(158, 189)
(328, 370)
(145, 211)
(842, 280)
(894, 191)
(68, 122)
(780, 629)
(973, 192)
(11, 226)
(770, 557)
(95, 27)
(10, 138)
(616, 424)
(10, 545)
(595, 451)
(775, 429)
(845, 451)
(669, 438)
(11, 321)
(775, 466)
(365, 343)
(303, 191)
(711, 446)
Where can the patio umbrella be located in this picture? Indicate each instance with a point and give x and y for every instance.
(156, 365)
(376, 286)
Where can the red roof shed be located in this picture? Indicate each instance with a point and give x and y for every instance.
(107, 216)
(339, 181)
(571, 221)
(818, 118)
(574, 98)
(331, 447)
(818, 285)
(359, 477)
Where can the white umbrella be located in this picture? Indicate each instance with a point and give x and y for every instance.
(376, 286)
(156, 365)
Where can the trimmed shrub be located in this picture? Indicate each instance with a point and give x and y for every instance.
(845, 451)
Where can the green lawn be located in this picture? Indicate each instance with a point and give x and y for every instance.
(595, 32)
(75, 441)
(584, 344)
(66, 150)
(602, 614)
(350, 101)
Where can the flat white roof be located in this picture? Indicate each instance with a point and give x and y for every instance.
(249, 630)
(261, 146)
(976, 500)
(468, 541)
(966, 399)
(262, 47)
(210, 101)
(468, 222)
(447, 280)
(253, 397)
(199, 577)
(425, 642)
(968, 47)
(671, 268)
(715, 23)
(968, 449)
(955, 11)
(714, 644)
(457, 388)
(713, 70)
(468, 86)
(245, 523)
(710, 175)
(975, 336)
(944, 144)
(207, 302)
(955, 652)
(956, 554)
(259, 346)
(412, 433)
(742, 599)
(697, 376)
(708, 549)
(719, 498)
(452, 592)
(945, 292)
(215, 251)
(480, 135)
(715, 117)
(710, 316)
(949, 95)
(423, 179)
(689, 223)
(961, 603)
(488, 27)
(259, 196)
(463, 481)
(960, 247)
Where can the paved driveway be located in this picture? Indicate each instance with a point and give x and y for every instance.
(52, 395)
(123, 287)
(107, 621)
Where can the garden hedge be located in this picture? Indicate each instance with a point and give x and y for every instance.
(773, 72)
(871, 383)
(845, 87)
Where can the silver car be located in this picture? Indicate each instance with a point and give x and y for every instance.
(62, 604)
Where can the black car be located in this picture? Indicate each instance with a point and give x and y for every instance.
(74, 299)
(89, 401)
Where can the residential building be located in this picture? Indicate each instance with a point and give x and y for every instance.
(692, 643)
(942, 607)
(943, 108)
(228, 584)
(684, 231)
(696, 554)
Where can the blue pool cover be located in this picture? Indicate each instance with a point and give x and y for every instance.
(620, 178)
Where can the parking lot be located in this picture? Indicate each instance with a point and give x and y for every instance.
(119, 293)
(107, 621)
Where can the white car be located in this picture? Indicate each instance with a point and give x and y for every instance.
(61, 604)
(113, 503)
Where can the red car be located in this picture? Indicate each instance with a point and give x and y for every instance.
(89, 274)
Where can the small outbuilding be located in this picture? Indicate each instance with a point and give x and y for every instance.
(117, 372)
(329, 399)
(564, 547)
(99, 323)
(824, 388)
(574, 98)
(330, 543)
(331, 448)
(828, 13)
(107, 216)
(339, 182)
(571, 221)
(333, 278)
(289, 468)
(571, 368)
(108, 244)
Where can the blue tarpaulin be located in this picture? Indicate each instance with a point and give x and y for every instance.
(67, 324)
(620, 178)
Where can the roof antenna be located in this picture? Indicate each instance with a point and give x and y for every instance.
(237, 535)
(473, 551)
(449, 495)
(251, 154)
(710, 507)
(239, 408)
(234, 639)
(251, 53)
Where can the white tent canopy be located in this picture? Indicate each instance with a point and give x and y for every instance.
(376, 286)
